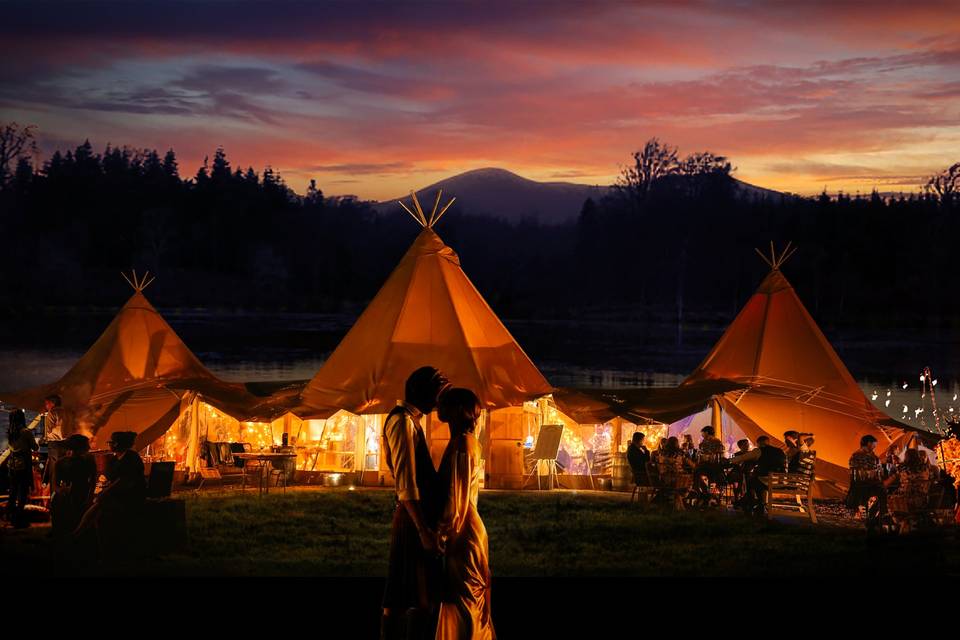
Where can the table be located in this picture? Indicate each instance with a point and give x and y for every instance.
(262, 459)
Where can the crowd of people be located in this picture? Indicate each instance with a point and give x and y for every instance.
(83, 506)
(684, 473)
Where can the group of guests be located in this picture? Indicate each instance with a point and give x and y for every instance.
(77, 509)
(915, 485)
(438, 582)
(682, 471)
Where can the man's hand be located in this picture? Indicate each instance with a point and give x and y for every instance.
(429, 540)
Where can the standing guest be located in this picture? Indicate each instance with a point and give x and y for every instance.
(866, 487)
(465, 604)
(638, 457)
(76, 475)
(411, 597)
(54, 425)
(20, 466)
(117, 509)
(53, 434)
(689, 449)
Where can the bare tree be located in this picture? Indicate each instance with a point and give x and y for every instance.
(654, 162)
(946, 184)
(15, 142)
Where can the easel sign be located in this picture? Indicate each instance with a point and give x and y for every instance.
(546, 450)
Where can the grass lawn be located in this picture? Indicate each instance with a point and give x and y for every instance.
(335, 532)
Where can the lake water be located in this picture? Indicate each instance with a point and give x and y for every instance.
(246, 347)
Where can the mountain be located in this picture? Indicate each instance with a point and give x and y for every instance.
(504, 194)
(501, 193)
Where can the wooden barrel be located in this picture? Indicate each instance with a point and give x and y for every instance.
(621, 475)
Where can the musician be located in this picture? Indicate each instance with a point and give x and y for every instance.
(865, 482)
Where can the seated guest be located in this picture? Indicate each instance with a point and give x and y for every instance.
(911, 483)
(115, 511)
(655, 456)
(638, 457)
(742, 462)
(770, 459)
(671, 465)
(866, 487)
(710, 461)
(791, 441)
(76, 476)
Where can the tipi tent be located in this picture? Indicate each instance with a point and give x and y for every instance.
(793, 378)
(427, 313)
(138, 376)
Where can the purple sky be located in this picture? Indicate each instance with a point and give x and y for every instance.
(377, 98)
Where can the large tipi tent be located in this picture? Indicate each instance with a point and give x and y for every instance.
(427, 313)
(792, 378)
(138, 376)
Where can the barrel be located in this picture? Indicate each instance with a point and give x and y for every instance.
(621, 475)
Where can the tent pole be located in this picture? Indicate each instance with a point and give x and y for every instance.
(616, 436)
(716, 417)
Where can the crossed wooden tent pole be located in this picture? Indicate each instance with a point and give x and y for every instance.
(434, 217)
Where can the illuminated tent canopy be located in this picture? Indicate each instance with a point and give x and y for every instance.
(792, 378)
(138, 376)
(427, 313)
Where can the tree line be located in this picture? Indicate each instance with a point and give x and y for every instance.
(674, 241)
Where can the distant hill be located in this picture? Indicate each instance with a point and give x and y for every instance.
(501, 193)
(504, 194)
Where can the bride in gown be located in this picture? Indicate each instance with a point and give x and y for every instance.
(465, 603)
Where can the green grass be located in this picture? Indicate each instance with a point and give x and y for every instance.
(346, 533)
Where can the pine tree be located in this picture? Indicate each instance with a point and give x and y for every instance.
(170, 167)
(221, 167)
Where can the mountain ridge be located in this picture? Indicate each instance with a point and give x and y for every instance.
(494, 191)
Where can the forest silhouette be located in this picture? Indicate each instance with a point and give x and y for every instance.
(676, 240)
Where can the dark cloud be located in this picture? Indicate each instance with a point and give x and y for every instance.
(362, 168)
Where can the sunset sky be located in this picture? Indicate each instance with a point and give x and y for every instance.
(376, 98)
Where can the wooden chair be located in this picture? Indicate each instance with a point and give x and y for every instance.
(793, 492)
(210, 473)
(672, 484)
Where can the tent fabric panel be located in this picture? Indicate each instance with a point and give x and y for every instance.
(427, 313)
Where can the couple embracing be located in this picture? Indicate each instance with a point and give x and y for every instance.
(438, 582)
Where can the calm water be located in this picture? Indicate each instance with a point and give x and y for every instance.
(245, 347)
